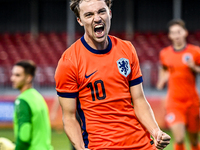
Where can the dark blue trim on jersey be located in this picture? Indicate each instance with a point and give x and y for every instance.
(68, 95)
(82, 116)
(136, 81)
(180, 50)
(97, 51)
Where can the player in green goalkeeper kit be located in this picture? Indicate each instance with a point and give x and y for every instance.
(31, 117)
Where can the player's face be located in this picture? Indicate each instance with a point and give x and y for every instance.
(18, 77)
(177, 34)
(95, 17)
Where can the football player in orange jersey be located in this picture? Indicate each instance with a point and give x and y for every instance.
(180, 64)
(100, 76)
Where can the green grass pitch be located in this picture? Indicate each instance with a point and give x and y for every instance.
(61, 142)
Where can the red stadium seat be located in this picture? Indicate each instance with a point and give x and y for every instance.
(46, 49)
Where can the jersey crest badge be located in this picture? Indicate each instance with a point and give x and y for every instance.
(124, 66)
(170, 117)
(186, 57)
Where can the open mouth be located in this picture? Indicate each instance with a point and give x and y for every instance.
(99, 30)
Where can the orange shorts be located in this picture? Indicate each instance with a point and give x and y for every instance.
(186, 115)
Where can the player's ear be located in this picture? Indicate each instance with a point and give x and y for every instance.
(186, 33)
(29, 78)
(110, 12)
(79, 21)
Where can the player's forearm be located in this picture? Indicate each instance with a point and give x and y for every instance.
(160, 84)
(162, 78)
(145, 115)
(191, 64)
(73, 131)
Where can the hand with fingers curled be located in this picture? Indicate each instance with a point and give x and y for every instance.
(161, 139)
(191, 63)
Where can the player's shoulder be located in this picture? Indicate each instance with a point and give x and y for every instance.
(72, 49)
(193, 47)
(124, 46)
(71, 53)
(21, 102)
(117, 41)
(29, 95)
(166, 50)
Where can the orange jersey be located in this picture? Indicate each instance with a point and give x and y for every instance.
(181, 84)
(101, 80)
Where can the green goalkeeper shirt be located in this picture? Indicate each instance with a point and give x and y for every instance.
(31, 122)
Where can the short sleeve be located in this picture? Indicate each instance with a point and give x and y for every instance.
(161, 59)
(136, 74)
(66, 78)
(197, 57)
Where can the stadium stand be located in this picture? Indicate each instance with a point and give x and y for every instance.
(47, 48)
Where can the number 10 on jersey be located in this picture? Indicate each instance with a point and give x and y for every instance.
(96, 88)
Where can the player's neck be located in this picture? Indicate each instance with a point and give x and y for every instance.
(179, 47)
(25, 87)
(96, 45)
(101, 46)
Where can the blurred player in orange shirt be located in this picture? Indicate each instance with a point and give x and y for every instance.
(100, 76)
(180, 64)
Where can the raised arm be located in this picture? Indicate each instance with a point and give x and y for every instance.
(145, 115)
(71, 125)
